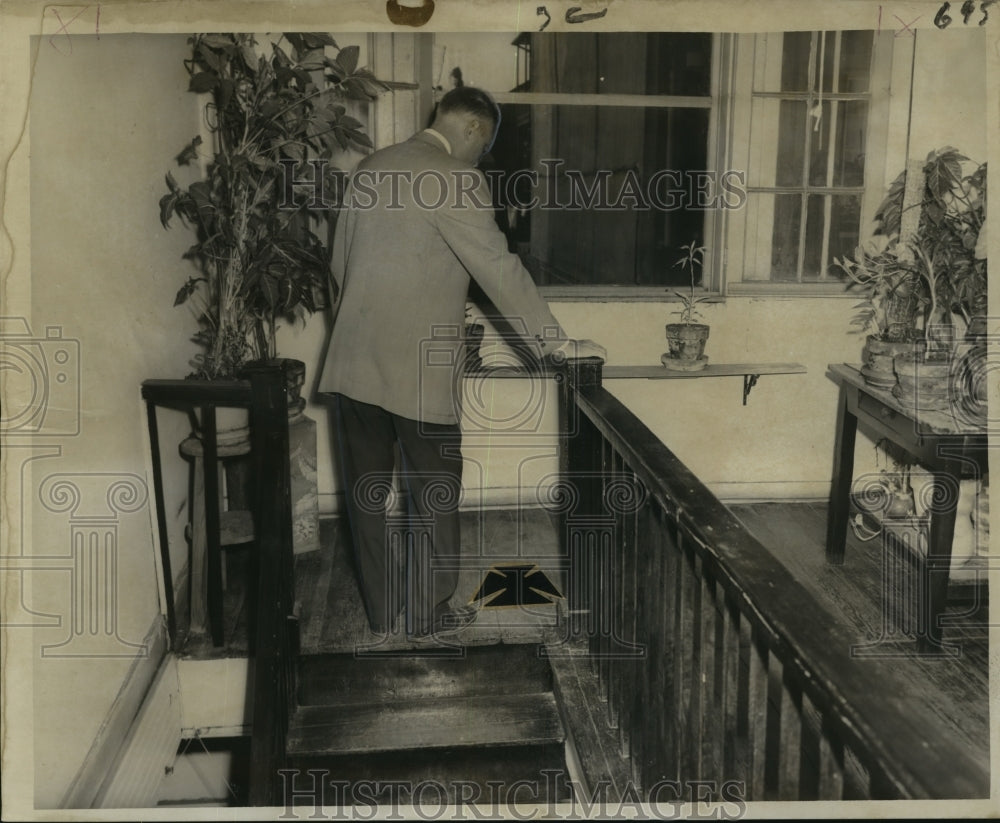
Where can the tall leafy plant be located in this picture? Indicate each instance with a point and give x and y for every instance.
(276, 113)
(939, 267)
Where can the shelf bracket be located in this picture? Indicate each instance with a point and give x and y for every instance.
(749, 381)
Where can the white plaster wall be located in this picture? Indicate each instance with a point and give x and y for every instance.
(107, 117)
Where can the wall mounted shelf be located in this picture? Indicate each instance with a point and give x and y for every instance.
(750, 371)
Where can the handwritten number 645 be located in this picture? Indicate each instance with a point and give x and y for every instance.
(942, 19)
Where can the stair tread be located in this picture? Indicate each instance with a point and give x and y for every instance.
(455, 722)
(490, 670)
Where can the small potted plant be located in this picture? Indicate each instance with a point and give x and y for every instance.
(686, 339)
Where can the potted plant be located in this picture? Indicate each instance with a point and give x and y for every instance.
(276, 113)
(948, 246)
(273, 108)
(888, 313)
(930, 257)
(686, 339)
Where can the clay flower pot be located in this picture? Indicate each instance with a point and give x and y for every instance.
(686, 343)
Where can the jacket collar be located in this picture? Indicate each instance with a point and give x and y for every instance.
(437, 137)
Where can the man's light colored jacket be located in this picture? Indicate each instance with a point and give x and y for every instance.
(403, 253)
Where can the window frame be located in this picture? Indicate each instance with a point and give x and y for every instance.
(886, 137)
(711, 273)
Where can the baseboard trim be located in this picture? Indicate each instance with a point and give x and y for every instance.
(114, 731)
(805, 491)
(495, 497)
(508, 497)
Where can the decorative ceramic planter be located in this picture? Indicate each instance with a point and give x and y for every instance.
(686, 344)
(878, 355)
(924, 385)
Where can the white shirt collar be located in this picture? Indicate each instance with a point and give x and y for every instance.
(441, 137)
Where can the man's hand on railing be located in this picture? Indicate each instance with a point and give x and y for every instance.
(578, 349)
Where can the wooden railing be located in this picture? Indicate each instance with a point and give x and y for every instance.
(273, 627)
(716, 665)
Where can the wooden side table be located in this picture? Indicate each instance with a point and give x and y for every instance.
(947, 445)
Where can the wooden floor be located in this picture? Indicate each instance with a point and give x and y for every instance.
(856, 593)
(332, 617)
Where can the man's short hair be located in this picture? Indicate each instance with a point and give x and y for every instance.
(470, 100)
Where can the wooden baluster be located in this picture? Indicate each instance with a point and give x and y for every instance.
(637, 663)
(611, 664)
(710, 767)
(646, 601)
(606, 588)
(673, 662)
(693, 653)
(756, 718)
(663, 680)
(687, 642)
(729, 697)
(579, 465)
(790, 739)
(831, 763)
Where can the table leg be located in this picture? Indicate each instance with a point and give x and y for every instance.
(937, 566)
(843, 475)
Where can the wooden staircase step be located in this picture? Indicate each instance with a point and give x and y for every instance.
(344, 679)
(489, 774)
(436, 723)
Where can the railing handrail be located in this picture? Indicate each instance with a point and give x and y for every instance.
(804, 634)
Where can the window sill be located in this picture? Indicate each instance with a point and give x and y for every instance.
(621, 294)
(763, 288)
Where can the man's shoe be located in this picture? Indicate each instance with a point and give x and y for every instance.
(449, 622)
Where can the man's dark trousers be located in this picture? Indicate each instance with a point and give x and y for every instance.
(412, 559)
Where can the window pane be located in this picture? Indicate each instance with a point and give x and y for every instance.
(844, 222)
(791, 146)
(855, 61)
(852, 128)
(785, 239)
(634, 162)
(620, 63)
(845, 214)
(679, 63)
(815, 218)
(852, 73)
(795, 60)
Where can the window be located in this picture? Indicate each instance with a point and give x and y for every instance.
(810, 109)
(616, 130)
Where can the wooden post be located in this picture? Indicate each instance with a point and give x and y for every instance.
(274, 645)
(579, 472)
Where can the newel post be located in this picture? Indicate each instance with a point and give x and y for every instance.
(579, 494)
